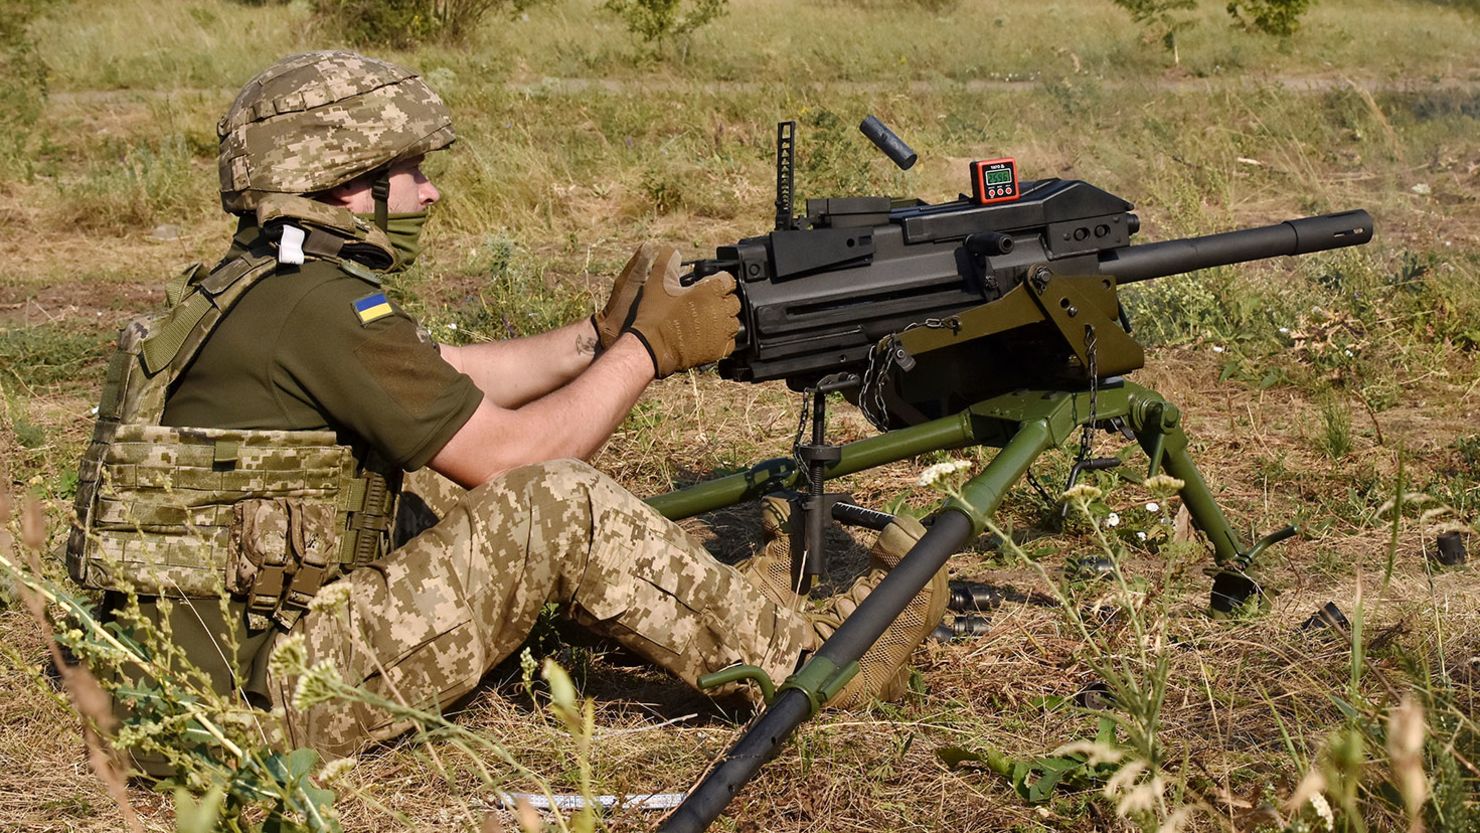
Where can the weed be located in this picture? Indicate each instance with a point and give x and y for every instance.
(49, 354)
(1336, 429)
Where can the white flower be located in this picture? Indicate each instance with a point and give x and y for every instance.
(290, 657)
(1323, 809)
(331, 599)
(1140, 536)
(452, 326)
(1083, 491)
(1112, 519)
(1217, 348)
(1153, 506)
(317, 685)
(1284, 331)
(1163, 485)
(335, 770)
(934, 474)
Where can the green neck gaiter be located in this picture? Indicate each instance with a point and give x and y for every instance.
(404, 230)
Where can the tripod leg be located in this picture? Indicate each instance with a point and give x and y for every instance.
(1157, 424)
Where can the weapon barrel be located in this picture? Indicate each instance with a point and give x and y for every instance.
(791, 708)
(1292, 237)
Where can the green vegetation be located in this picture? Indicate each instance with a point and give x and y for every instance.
(659, 21)
(403, 24)
(1303, 382)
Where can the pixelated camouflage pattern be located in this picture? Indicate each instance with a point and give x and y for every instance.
(318, 119)
(424, 624)
(337, 220)
(157, 506)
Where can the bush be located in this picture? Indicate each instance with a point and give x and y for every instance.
(1272, 17)
(656, 21)
(1160, 20)
(402, 24)
(23, 95)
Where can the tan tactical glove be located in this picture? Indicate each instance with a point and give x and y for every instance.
(622, 304)
(684, 326)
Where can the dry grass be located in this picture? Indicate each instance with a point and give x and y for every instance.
(1249, 131)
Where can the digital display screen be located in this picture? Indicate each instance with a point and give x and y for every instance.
(1001, 176)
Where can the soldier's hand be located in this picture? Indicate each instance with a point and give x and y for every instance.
(684, 326)
(621, 306)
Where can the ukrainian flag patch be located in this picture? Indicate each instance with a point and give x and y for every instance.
(372, 307)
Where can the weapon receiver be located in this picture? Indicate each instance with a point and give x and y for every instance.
(821, 291)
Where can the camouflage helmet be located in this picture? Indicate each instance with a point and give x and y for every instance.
(316, 120)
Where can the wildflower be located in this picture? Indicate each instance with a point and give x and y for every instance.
(1217, 348)
(1112, 519)
(1176, 820)
(1153, 506)
(1083, 491)
(289, 658)
(1284, 331)
(317, 685)
(1140, 536)
(331, 599)
(1163, 485)
(452, 326)
(934, 474)
(1323, 809)
(1405, 740)
(335, 770)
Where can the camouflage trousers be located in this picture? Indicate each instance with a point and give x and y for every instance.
(423, 625)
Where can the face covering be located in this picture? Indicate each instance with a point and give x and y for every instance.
(404, 230)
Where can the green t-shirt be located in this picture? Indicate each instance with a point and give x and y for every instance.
(308, 348)
(311, 348)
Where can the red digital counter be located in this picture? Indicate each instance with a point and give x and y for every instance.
(993, 181)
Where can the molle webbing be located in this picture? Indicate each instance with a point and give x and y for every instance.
(160, 509)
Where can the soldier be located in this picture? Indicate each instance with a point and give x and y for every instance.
(252, 440)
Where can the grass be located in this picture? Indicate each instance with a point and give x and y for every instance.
(1303, 382)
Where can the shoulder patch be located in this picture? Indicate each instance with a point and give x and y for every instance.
(372, 307)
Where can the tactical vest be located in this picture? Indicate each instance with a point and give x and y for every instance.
(267, 516)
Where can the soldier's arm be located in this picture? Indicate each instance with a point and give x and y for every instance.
(571, 421)
(518, 371)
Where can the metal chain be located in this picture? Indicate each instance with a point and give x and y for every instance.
(1085, 439)
(881, 359)
(804, 472)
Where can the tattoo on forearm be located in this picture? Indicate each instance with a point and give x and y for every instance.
(586, 345)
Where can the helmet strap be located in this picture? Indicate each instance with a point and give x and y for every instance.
(380, 190)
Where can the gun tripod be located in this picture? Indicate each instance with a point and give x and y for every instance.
(1023, 424)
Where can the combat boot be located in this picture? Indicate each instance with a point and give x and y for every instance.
(882, 671)
(770, 568)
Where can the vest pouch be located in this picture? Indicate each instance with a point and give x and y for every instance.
(282, 551)
(163, 510)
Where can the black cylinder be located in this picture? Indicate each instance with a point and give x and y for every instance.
(791, 707)
(974, 595)
(1451, 549)
(1292, 237)
(885, 140)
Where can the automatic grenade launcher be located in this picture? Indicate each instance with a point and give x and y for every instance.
(930, 308)
(991, 320)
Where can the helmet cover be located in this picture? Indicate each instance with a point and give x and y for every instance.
(319, 119)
